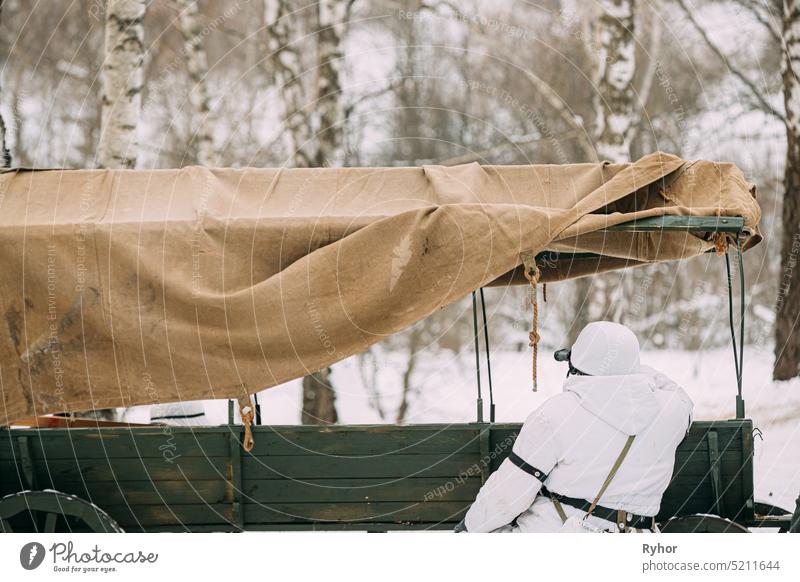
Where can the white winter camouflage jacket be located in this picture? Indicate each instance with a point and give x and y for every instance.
(574, 439)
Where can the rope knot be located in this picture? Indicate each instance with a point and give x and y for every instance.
(720, 241)
(533, 338)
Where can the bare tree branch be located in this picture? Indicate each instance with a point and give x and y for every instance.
(771, 26)
(507, 143)
(763, 104)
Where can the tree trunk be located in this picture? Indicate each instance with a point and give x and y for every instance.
(287, 68)
(122, 76)
(614, 101)
(121, 97)
(197, 66)
(787, 308)
(5, 154)
(330, 15)
(319, 399)
(616, 64)
(312, 139)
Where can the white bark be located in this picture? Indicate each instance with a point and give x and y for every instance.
(331, 20)
(614, 96)
(313, 129)
(122, 83)
(197, 66)
(287, 68)
(5, 154)
(313, 111)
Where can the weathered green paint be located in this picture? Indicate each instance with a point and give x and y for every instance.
(342, 477)
(683, 223)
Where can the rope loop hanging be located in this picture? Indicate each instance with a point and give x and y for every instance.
(720, 240)
(532, 274)
(248, 414)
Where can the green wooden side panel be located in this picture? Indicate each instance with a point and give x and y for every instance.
(344, 477)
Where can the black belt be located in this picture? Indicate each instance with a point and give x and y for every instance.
(631, 519)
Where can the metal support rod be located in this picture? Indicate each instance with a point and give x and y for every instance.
(738, 350)
(258, 409)
(488, 356)
(477, 355)
(743, 306)
(730, 315)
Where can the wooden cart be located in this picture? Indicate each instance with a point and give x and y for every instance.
(375, 478)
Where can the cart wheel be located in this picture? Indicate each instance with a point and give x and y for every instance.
(701, 523)
(765, 514)
(52, 511)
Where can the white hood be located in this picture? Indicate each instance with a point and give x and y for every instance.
(626, 402)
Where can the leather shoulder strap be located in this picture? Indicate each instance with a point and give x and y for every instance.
(623, 453)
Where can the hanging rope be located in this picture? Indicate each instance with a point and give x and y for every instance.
(246, 410)
(532, 274)
(720, 240)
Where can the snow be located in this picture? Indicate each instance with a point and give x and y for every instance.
(445, 391)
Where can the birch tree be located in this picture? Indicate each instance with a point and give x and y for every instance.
(614, 127)
(197, 66)
(332, 17)
(287, 68)
(313, 112)
(122, 76)
(5, 154)
(616, 63)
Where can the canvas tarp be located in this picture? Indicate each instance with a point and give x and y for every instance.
(124, 287)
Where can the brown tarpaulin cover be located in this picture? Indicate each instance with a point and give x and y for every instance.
(140, 286)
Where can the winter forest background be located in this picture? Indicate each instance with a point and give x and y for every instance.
(380, 83)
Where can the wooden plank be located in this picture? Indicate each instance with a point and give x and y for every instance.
(386, 466)
(48, 421)
(691, 495)
(358, 490)
(268, 491)
(136, 469)
(394, 512)
(289, 513)
(501, 442)
(101, 444)
(235, 484)
(372, 526)
(270, 441)
(697, 464)
(103, 493)
(367, 442)
(176, 516)
(747, 475)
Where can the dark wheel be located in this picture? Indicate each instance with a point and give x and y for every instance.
(52, 511)
(768, 515)
(700, 523)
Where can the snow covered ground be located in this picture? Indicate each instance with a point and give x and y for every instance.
(446, 388)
